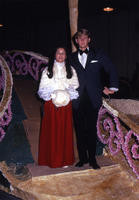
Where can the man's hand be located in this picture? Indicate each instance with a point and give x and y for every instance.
(107, 91)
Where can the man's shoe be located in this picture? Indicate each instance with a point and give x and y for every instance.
(94, 165)
(80, 163)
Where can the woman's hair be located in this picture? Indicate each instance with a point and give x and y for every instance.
(51, 64)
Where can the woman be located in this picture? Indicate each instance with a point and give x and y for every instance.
(57, 88)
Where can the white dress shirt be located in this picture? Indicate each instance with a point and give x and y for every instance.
(82, 58)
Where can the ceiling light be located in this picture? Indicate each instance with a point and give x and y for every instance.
(108, 6)
(108, 9)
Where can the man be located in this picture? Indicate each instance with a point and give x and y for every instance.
(89, 65)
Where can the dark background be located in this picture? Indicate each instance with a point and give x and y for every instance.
(41, 25)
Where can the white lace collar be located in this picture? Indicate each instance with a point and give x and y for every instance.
(59, 64)
(59, 70)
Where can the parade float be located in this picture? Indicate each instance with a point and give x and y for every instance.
(118, 129)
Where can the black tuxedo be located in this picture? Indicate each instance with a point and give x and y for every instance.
(86, 107)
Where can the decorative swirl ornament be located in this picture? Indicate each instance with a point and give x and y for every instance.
(25, 62)
(5, 104)
(19, 63)
(111, 133)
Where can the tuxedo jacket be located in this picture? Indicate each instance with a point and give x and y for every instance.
(90, 77)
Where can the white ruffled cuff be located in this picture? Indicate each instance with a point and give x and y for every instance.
(45, 93)
(73, 93)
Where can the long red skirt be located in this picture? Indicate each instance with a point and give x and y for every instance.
(56, 137)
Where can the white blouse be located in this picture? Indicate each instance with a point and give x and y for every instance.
(59, 82)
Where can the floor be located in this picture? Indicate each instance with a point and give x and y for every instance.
(27, 92)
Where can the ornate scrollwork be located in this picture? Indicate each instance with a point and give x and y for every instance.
(110, 132)
(24, 62)
(19, 63)
(6, 83)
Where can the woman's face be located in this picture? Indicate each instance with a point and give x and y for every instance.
(60, 55)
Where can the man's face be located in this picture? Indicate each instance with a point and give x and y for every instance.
(83, 41)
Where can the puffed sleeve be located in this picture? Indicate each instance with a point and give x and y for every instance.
(73, 82)
(45, 88)
(73, 85)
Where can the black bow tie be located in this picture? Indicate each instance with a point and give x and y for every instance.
(81, 52)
